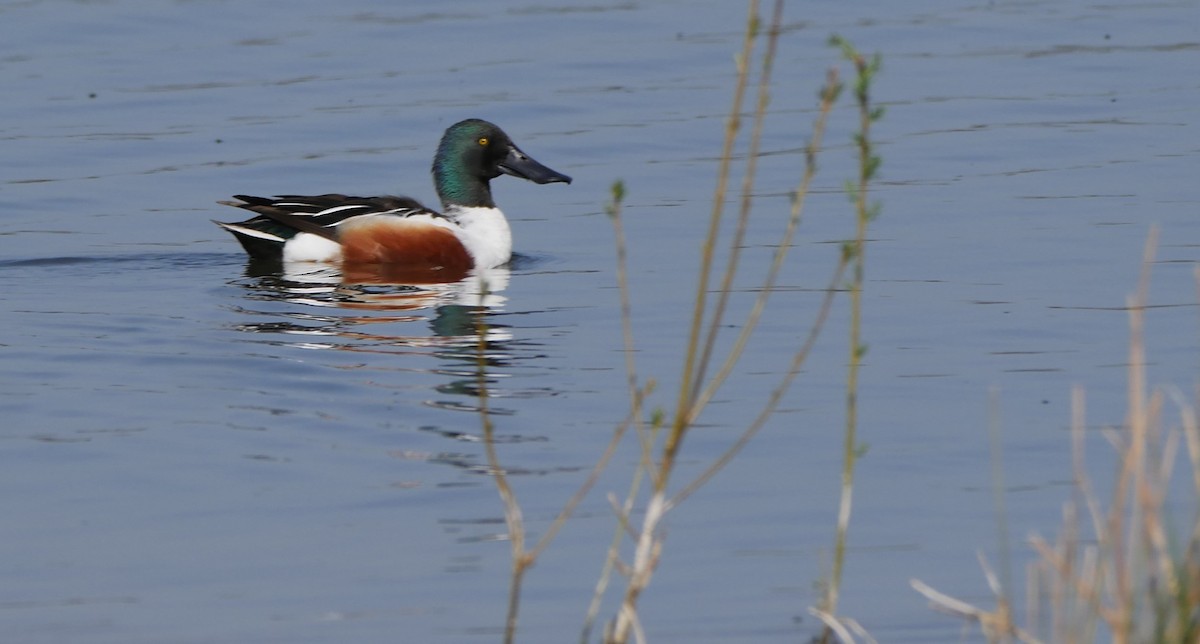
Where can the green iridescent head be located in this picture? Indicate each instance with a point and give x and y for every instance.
(471, 154)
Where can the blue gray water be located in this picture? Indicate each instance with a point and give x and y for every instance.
(193, 450)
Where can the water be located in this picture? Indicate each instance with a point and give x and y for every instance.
(197, 451)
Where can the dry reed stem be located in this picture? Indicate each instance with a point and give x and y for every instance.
(648, 542)
(828, 98)
(733, 123)
(512, 510)
(747, 200)
(776, 395)
(637, 396)
(523, 559)
(990, 622)
(1002, 587)
(843, 627)
(612, 558)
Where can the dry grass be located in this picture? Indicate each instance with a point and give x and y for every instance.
(1126, 568)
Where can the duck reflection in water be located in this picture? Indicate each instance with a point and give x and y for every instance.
(341, 303)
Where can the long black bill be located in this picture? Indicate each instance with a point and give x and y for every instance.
(519, 164)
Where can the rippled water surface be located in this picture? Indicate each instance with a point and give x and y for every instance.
(194, 449)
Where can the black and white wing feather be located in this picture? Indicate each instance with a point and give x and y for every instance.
(282, 217)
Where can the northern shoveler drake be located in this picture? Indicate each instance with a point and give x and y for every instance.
(470, 232)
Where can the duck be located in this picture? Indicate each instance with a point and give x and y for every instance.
(469, 232)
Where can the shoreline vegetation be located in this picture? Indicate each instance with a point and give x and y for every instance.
(1125, 566)
(1129, 570)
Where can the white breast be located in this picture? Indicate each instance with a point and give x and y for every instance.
(485, 233)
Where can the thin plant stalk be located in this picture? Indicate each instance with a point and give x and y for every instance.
(732, 125)
(637, 396)
(637, 393)
(695, 389)
(856, 251)
(521, 561)
(612, 559)
(772, 403)
(614, 215)
(522, 558)
(747, 200)
(1004, 582)
(829, 96)
(647, 545)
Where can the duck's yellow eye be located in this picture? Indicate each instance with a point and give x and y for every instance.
(483, 140)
